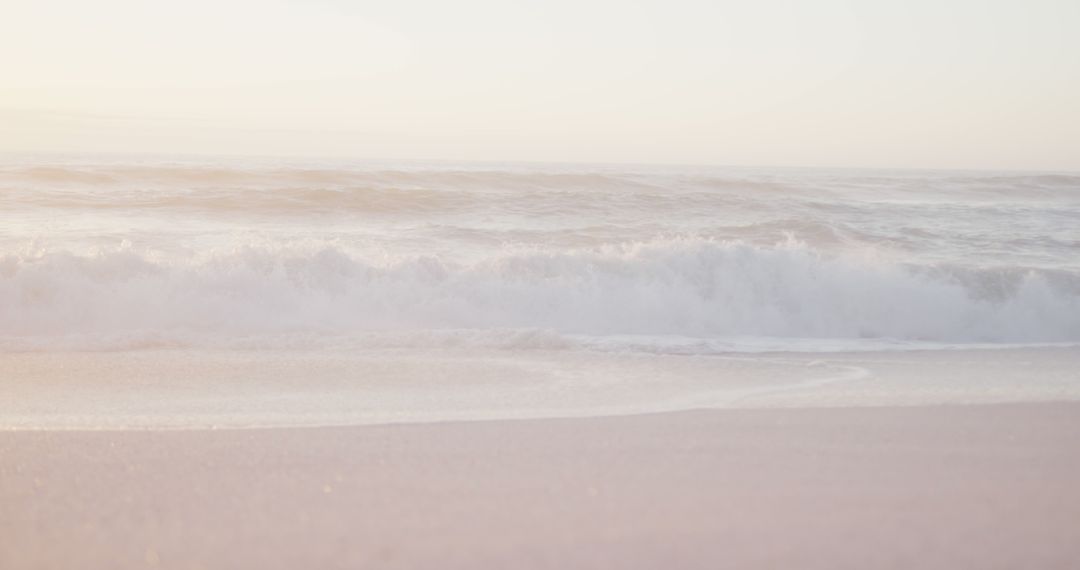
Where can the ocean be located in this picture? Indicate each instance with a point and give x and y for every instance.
(546, 281)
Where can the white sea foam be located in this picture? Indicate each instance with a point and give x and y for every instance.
(682, 288)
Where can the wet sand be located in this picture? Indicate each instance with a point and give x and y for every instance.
(993, 486)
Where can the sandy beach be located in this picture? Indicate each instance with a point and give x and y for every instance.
(990, 486)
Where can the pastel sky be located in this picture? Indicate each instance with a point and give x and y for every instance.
(864, 83)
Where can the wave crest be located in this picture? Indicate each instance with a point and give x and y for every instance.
(691, 288)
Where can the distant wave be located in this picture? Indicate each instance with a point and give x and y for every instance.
(1064, 181)
(297, 192)
(677, 288)
(253, 201)
(525, 178)
(804, 201)
(209, 176)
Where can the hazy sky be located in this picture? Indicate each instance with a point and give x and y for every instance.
(904, 83)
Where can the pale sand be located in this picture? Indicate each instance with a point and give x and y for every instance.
(994, 486)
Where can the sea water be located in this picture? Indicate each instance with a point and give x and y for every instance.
(443, 290)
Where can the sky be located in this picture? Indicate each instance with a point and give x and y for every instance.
(833, 83)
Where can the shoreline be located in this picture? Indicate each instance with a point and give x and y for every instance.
(27, 429)
(182, 389)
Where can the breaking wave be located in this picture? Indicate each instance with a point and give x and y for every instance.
(683, 288)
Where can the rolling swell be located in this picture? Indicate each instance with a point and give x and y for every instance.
(691, 288)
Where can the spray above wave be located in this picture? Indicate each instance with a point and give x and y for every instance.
(688, 288)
